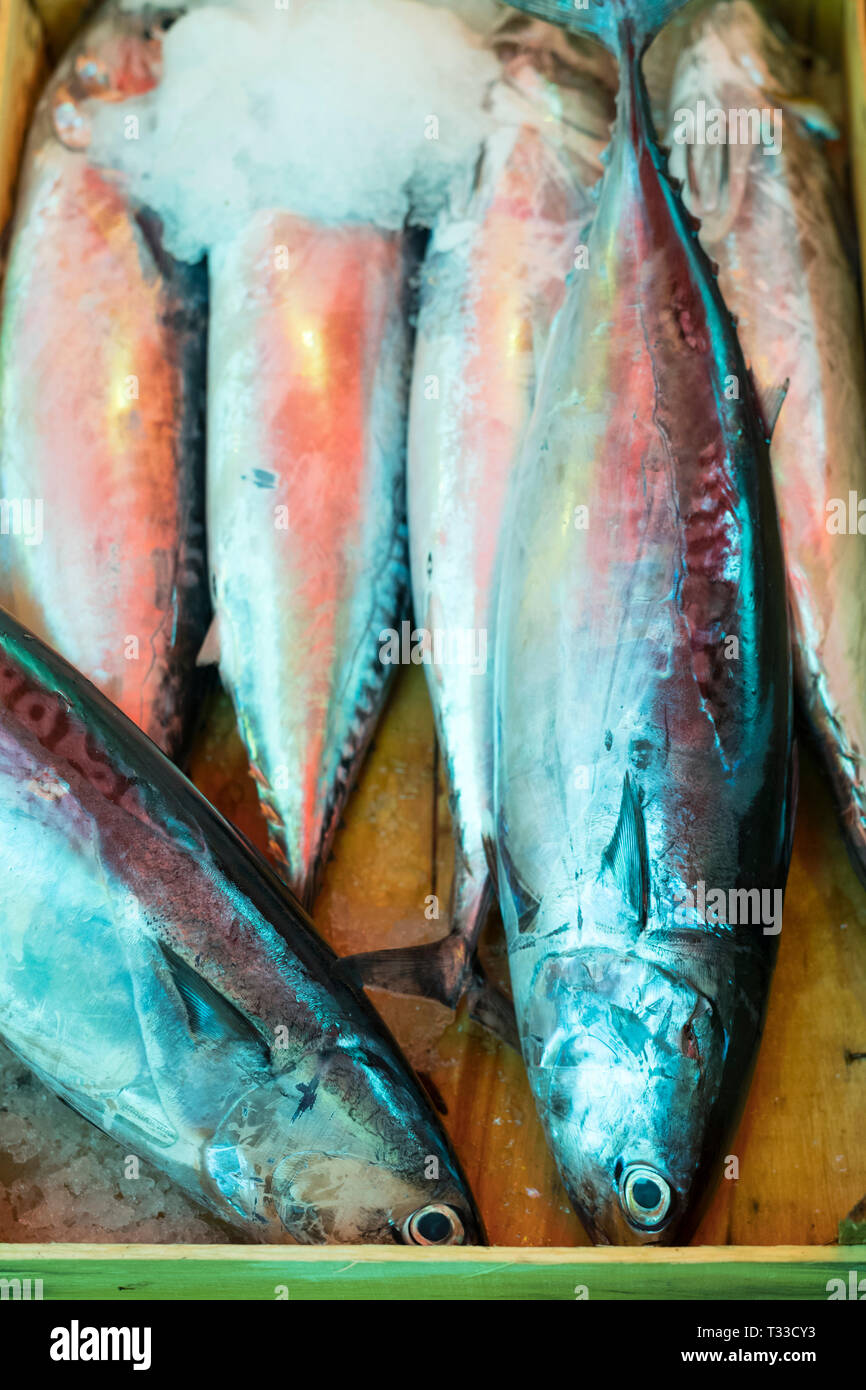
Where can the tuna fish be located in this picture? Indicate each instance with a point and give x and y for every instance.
(307, 385)
(493, 279)
(644, 768)
(772, 219)
(101, 405)
(159, 977)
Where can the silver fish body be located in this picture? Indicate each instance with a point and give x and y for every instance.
(307, 385)
(158, 976)
(771, 219)
(492, 280)
(101, 405)
(644, 721)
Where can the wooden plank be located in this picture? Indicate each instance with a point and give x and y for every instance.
(22, 59)
(855, 69)
(220, 1272)
(60, 19)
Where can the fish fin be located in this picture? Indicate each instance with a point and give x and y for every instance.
(627, 856)
(601, 19)
(490, 1007)
(210, 1015)
(770, 401)
(793, 798)
(489, 844)
(437, 970)
(525, 903)
(209, 654)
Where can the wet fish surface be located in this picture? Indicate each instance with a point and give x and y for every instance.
(307, 396)
(161, 979)
(492, 281)
(773, 220)
(101, 404)
(644, 705)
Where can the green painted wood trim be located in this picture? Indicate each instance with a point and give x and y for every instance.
(473, 1275)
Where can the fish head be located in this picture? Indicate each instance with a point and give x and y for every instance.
(625, 1059)
(340, 1150)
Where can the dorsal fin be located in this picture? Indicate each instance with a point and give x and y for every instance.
(770, 401)
(627, 856)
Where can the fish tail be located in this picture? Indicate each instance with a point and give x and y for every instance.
(442, 969)
(446, 970)
(605, 20)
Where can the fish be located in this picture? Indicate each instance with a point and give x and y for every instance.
(161, 978)
(774, 222)
(492, 281)
(308, 363)
(102, 404)
(645, 773)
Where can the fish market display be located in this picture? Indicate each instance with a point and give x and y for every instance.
(101, 400)
(770, 217)
(158, 976)
(531, 335)
(493, 279)
(644, 729)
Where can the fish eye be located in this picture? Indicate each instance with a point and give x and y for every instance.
(646, 1197)
(433, 1225)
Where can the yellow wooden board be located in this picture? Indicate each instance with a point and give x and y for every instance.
(22, 70)
(801, 1149)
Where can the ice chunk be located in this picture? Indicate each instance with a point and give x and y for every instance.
(336, 110)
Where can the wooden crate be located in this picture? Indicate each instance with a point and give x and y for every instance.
(771, 1233)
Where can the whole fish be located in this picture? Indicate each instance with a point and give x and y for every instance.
(644, 761)
(493, 279)
(101, 404)
(307, 384)
(771, 217)
(159, 977)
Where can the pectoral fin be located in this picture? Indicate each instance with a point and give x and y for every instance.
(209, 654)
(210, 1015)
(626, 858)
